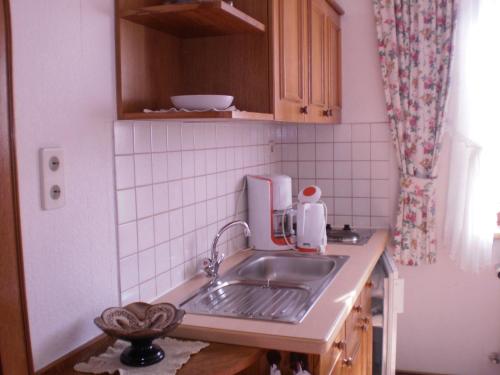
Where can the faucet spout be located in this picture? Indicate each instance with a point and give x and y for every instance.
(211, 265)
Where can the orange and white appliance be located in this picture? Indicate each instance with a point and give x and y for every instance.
(311, 221)
(270, 214)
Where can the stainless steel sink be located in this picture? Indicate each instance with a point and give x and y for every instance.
(278, 286)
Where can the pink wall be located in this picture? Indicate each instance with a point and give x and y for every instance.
(451, 320)
(64, 96)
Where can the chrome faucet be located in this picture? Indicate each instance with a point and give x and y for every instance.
(211, 265)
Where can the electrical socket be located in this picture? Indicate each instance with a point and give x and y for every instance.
(52, 178)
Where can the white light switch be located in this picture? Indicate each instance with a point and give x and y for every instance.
(52, 175)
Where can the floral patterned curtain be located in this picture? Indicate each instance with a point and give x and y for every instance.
(415, 47)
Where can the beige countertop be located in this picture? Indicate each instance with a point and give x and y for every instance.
(318, 329)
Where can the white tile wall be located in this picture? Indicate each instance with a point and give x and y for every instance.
(351, 163)
(176, 184)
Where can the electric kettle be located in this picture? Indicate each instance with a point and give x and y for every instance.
(311, 221)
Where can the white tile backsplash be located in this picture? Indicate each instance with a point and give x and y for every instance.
(159, 167)
(380, 132)
(360, 132)
(158, 137)
(177, 183)
(342, 151)
(175, 194)
(361, 151)
(142, 138)
(145, 233)
(162, 227)
(187, 164)
(160, 198)
(307, 152)
(147, 265)
(162, 258)
(352, 167)
(129, 272)
(144, 200)
(361, 169)
(174, 137)
(324, 134)
(124, 172)
(342, 169)
(324, 151)
(127, 239)
(148, 290)
(342, 133)
(380, 150)
(125, 202)
(143, 169)
(124, 138)
(174, 165)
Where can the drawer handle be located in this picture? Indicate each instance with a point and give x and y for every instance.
(303, 109)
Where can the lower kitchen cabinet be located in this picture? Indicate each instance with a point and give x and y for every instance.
(351, 351)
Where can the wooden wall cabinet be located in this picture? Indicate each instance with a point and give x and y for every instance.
(307, 75)
(280, 59)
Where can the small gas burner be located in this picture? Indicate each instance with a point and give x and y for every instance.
(348, 236)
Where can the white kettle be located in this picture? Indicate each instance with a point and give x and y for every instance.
(311, 221)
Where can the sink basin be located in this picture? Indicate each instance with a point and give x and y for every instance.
(287, 268)
(277, 286)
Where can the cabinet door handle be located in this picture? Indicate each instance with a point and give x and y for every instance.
(303, 109)
(363, 327)
(330, 112)
(365, 320)
(326, 112)
(357, 309)
(349, 361)
(340, 345)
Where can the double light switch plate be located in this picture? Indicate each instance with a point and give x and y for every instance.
(52, 178)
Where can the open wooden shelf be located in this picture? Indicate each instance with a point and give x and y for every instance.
(238, 115)
(191, 20)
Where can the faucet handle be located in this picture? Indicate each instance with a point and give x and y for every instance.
(208, 266)
(221, 258)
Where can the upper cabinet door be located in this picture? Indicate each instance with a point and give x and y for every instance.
(318, 62)
(290, 60)
(334, 68)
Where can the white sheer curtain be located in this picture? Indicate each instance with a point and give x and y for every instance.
(474, 122)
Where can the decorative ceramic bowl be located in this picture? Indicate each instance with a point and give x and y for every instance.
(140, 323)
(202, 102)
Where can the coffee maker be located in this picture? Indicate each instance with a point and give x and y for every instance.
(270, 214)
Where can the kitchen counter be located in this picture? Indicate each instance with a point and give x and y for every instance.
(315, 334)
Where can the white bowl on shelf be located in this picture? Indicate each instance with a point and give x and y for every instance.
(202, 102)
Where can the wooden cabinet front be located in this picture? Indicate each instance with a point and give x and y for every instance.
(351, 351)
(334, 67)
(306, 48)
(318, 49)
(290, 59)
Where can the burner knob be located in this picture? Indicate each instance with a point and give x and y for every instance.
(347, 227)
